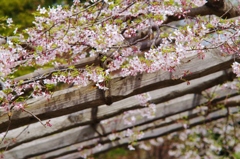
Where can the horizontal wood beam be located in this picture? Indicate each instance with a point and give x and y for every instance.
(132, 85)
(83, 117)
(155, 130)
(80, 134)
(151, 134)
(75, 99)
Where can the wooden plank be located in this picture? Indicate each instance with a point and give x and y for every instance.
(85, 131)
(74, 147)
(80, 134)
(57, 141)
(129, 86)
(76, 99)
(61, 103)
(156, 130)
(83, 117)
(152, 133)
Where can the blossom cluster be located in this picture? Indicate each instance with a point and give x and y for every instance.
(215, 140)
(63, 37)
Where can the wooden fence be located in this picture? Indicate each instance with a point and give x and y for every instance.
(73, 112)
(81, 119)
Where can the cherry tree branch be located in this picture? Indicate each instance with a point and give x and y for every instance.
(105, 112)
(34, 116)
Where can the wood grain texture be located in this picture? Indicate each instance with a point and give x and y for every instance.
(156, 129)
(83, 117)
(75, 99)
(80, 134)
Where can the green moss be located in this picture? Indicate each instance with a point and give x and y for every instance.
(114, 153)
(22, 71)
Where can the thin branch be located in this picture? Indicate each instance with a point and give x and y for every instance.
(117, 15)
(34, 116)
(9, 124)
(99, 12)
(227, 11)
(16, 137)
(90, 6)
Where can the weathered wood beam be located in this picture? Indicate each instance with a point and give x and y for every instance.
(159, 128)
(76, 99)
(79, 134)
(220, 8)
(132, 85)
(151, 134)
(83, 117)
(74, 147)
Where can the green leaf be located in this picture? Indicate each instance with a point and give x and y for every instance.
(209, 26)
(50, 86)
(20, 99)
(104, 58)
(39, 48)
(236, 155)
(71, 67)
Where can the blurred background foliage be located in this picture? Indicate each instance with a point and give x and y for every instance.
(21, 11)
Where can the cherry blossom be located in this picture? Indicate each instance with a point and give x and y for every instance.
(107, 30)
